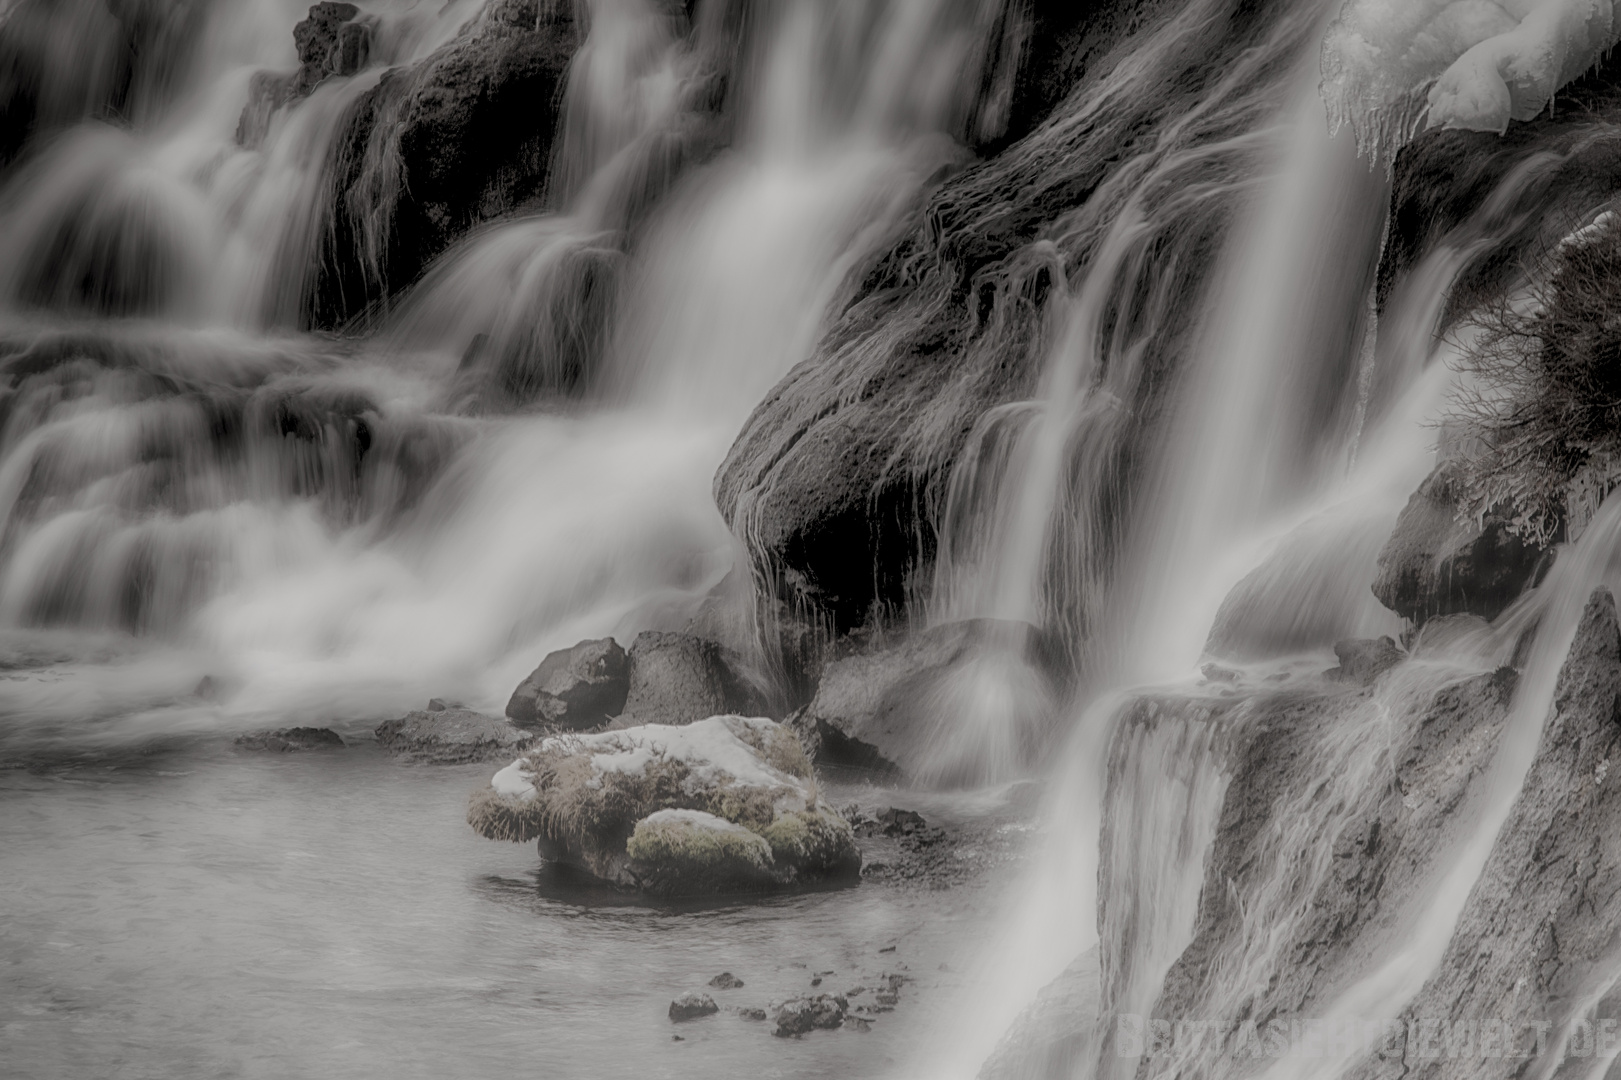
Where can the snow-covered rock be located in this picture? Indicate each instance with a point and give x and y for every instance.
(1394, 67)
(724, 804)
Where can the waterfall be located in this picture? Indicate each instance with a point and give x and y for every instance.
(325, 527)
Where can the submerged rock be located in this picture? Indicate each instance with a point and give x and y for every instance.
(451, 736)
(679, 678)
(1363, 660)
(1053, 1035)
(334, 39)
(802, 1015)
(722, 805)
(895, 709)
(579, 688)
(1433, 564)
(726, 981)
(692, 1005)
(287, 740)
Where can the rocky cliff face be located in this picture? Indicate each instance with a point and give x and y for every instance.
(1336, 805)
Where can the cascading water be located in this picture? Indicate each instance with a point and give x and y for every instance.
(299, 565)
(246, 483)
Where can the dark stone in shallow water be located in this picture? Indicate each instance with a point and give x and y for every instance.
(1363, 660)
(287, 740)
(802, 1015)
(679, 678)
(726, 981)
(452, 736)
(578, 688)
(691, 1006)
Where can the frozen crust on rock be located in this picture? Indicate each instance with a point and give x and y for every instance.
(1394, 67)
(724, 804)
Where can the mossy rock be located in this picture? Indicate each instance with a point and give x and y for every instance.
(726, 804)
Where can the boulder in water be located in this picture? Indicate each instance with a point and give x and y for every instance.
(957, 703)
(1433, 564)
(289, 740)
(692, 1005)
(803, 1015)
(1363, 660)
(726, 804)
(579, 688)
(679, 678)
(451, 736)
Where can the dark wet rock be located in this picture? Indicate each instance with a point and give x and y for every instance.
(837, 480)
(333, 39)
(879, 710)
(692, 1005)
(576, 689)
(433, 150)
(1363, 660)
(722, 805)
(207, 688)
(1434, 564)
(267, 92)
(1264, 777)
(1052, 1036)
(857, 1023)
(803, 1015)
(1562, 165)
(901, 850)
(726, 981)
(1541, 920)
(678, 678)
(440, 705)
(452, 736)
(891, 822)
(289, 740)
(751, 1014)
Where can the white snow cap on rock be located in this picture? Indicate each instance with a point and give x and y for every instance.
(713, 750)
(1391, 67)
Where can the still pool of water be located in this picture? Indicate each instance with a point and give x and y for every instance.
(208, 912)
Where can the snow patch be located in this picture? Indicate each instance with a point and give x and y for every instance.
(696, 818)
(514, 782)
(707, 747)
(1393, 67)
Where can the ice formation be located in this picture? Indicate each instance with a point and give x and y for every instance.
(1394, 67)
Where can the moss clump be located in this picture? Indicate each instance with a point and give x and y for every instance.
(816, 843)
(696, 852)
(1544, 406)
(780, 748)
